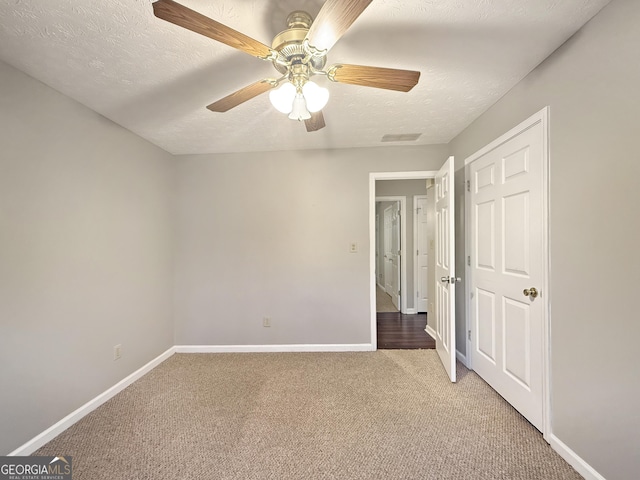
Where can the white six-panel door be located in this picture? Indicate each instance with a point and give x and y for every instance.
(506, 245)
(422, 253)
(445, 268)
(388, 234)
(395, 255)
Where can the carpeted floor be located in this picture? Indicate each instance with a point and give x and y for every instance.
(390, 414)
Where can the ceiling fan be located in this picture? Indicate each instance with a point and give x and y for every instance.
(298, 53)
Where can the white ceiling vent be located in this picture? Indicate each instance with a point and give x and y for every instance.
(402, 137)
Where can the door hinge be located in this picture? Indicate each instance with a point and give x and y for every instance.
(468, 185)
(469, 261)
(417, 294)
(469, 335)
(417, 252)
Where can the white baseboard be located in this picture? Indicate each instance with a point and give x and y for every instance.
(339, 347)
(573, 459)
(50, 433)
(430, 331)
(411, 311)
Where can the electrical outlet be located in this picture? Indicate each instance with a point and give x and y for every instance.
(266, 322)
(117, 352)
(353, 247)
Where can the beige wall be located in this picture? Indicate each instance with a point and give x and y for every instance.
(85, 257)
(268, 234)
(591, 85)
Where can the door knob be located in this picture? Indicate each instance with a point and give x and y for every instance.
(450, 279)
(530, 292)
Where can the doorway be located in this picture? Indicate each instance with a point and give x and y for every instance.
(397, 324)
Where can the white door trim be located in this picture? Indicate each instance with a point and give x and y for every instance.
(373, 176)
(403, 246)
(541, 117)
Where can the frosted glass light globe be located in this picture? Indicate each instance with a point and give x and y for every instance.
(282, 98)
(299, 111)
(316, 96)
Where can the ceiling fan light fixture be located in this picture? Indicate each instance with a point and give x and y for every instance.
(297, 53)
(299, 111)
(316, 96)
(282, 98)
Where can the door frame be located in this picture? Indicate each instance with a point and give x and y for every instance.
(541, 117)
(373, 177)
(403, 247)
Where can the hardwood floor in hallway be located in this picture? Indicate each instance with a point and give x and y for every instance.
(398, 331)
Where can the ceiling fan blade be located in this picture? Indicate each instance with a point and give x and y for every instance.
(316, 122)
(387, 78)
(334, 18)
(241, 96)
(196, 22)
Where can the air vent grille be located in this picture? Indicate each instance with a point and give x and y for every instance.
(402, 137)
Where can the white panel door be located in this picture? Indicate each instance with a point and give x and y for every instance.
(506, 262)
(395, 255)
(422, 253)
(445, 269)
(388, 234)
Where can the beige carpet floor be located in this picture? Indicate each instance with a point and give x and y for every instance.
(390, 414)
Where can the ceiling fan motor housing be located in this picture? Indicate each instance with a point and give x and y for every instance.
(289, 42)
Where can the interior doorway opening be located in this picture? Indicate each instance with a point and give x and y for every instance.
(400, 300)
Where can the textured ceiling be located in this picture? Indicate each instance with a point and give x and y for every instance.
(155, 78)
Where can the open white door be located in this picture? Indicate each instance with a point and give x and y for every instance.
(445, 269)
